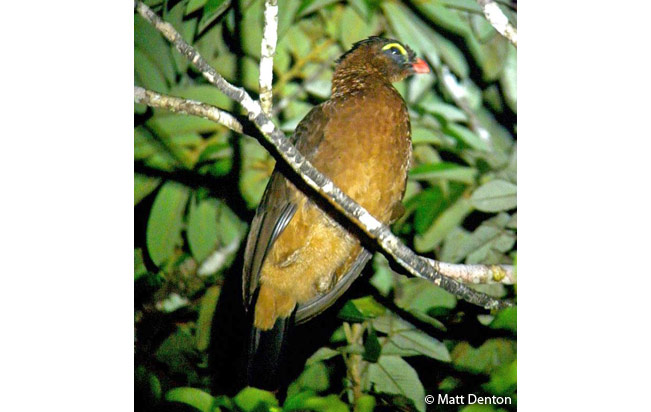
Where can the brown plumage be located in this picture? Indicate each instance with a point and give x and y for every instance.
(359, 138)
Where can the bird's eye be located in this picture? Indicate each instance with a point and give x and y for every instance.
(395, 49)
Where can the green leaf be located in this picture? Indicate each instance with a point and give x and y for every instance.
(491, 55)
(231, 228)
(422, 295)
(509, 80)
(250, 399)
(506, 319)
(257, 165)
(186, 28)
(490, 235)
(437, 107)
(392, 374)
(321, 355)
(309, 6)
(372, 347)
(444, 170)
(206, 312)
(453, 246)
(139, 268)
(467, 136)
(286, 14)
(487, 358)
(171, 125)
(148, 72)
(151, 42)
(203, 231)
(194, 5)
(447, 17)
(142, 186)
(203, 93)
(216, 159)
(193, 397)
(166, 221)
(212, 10)
(365, 403)
(504, 380)
(353, 28)
(418, 87)
(405, 339)
(448, 220)
(427, 205)
(411, 30)
(383, 277)
(306, 401)
(495, 196)
(451, 55)
(358, 310)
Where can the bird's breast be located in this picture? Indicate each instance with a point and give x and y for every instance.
(366, 149)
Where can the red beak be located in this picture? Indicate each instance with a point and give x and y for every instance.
(420, 66)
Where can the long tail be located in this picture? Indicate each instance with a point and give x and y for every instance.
(267, 351)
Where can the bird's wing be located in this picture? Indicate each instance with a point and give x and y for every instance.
(279, 203)
(317, 305)
(277, 208)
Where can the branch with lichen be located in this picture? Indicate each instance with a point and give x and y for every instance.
(301, 169)
(498, 20)
(268, 49)
(476, 274)
(186, 106)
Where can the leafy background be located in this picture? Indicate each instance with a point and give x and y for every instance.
(197, 184)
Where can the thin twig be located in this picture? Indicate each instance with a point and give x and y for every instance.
(374, 229)
(268, 49)
(186, 106)
(498, 20)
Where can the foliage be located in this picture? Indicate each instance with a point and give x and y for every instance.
(197, 184)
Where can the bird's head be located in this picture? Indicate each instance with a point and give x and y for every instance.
(387, 57)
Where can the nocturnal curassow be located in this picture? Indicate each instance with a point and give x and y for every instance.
(298, 259)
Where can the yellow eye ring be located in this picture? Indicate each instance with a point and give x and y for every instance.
(396, 46)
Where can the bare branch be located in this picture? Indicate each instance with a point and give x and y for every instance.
(498, 20)
(374, 229)
(186, 106)
(268, 49)
(476, 274)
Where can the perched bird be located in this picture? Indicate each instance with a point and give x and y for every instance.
(298, 259)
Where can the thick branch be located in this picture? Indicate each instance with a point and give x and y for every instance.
(476, 274)
(388, 242)
(268, 49)
(185, 106)
(498, 20)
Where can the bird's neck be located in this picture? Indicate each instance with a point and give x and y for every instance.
(353, 79)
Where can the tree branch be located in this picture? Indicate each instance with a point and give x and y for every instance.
(374, 229)
(186, 106)
(498, 20)
(476, 274)
(268, 49)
